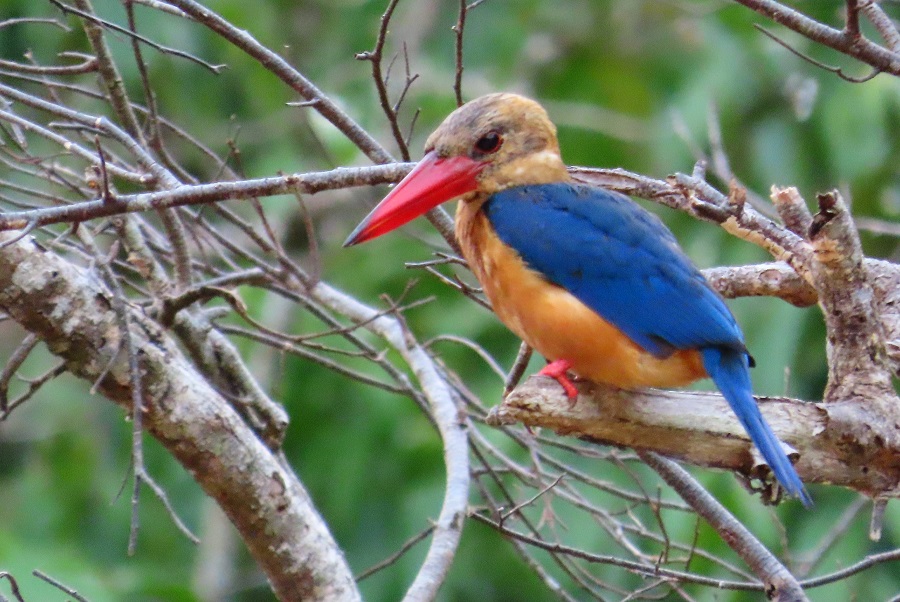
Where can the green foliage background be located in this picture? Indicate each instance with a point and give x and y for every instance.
(371, 461)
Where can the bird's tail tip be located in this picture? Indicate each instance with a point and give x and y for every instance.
(792, 485)
(729, 370)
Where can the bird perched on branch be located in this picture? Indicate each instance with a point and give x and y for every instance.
(585, 276)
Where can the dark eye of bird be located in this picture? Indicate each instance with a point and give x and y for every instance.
(490, 142)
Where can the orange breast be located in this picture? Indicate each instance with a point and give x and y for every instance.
(558, 325)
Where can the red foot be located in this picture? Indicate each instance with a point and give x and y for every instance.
(557, 369)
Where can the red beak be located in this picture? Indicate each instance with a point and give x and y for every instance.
(430, 183)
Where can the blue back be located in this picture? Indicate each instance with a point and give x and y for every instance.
(619, 260)
(623, 263)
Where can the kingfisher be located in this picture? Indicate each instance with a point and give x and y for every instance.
(592, 281)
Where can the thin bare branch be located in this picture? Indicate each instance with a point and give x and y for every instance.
(518, 368)
(89, 65)
(34, 384)
(830, 68)
(88, 15)
(459, 29)
(12, 365)
(59, 585)
(635, 567)
(13, 585)
(393, 558)
(375, 56)
(780, 584)
(309, 183)
(842, 40)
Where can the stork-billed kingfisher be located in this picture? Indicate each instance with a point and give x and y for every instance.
(585, 276)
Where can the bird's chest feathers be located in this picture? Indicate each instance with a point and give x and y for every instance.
(544, 315)
(507, 281)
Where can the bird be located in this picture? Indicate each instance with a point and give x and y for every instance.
(591, 280)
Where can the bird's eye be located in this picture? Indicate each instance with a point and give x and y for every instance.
(489, 143)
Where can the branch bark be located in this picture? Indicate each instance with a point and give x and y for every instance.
(700, 429)
(72, 312)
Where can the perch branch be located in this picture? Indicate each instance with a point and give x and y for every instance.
(700, 429)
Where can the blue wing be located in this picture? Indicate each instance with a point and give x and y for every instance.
(619, 260)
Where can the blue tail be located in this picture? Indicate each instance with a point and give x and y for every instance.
(729, 369)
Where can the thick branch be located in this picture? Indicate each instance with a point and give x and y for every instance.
(699, 428)
(862, 396)
(856, 347)
(779, 280)
(72, 313)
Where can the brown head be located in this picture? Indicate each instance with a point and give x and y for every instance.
(489, 144)
(509, 136)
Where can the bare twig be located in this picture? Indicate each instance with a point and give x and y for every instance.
(518, 507)
(34, 384)
(407, 545)
(14, 362)
(88, 65)
(134, 35)
(635, 567)
(830, 68)
(33, 20)
(518, 368)
(13, 585)
(458, 29)
(204, 193)
(375, 57)
(59, 585)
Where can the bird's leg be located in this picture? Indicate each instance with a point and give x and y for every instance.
(557, 370)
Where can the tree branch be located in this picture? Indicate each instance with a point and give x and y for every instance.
(72, 313)
(780, 585)
(700, 429)
(845, 40)
(309, 183)
(452, 427)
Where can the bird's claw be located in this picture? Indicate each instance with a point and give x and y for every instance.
(557, 370)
